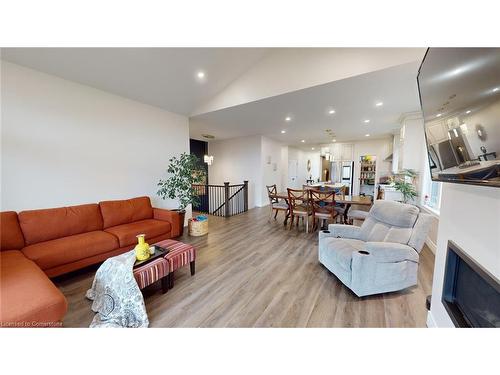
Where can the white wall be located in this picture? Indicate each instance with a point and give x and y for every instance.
(271, 158)
(470, 218)
(414, 140)
(64, 143)
(246, 158)
(302, 157)
(236, 160)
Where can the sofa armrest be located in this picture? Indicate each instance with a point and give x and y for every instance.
(169, 216)
(388, 252)
(344, 231)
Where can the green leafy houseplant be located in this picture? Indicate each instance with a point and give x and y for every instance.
(184, 171)
(404, 183)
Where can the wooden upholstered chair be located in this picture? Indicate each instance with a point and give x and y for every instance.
(274, 203)
(323, 206)
(380, 192)
(298, 201)
(340, 207)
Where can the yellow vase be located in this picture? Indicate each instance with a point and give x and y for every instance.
(142, 248)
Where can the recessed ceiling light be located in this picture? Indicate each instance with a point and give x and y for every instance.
(288, 118)
(367, 135)
(496, 89)
(379, 104)
(303, 140)
(469, 111)
(457, 71)
(366, 121)
(331, 111)
(334, 140)
(312, 148)
(283, 131)
(439, 115)
(200, 75)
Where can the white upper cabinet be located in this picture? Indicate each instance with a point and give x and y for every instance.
(337, 151)
(437, 132)
(342, 151)
(347, 151)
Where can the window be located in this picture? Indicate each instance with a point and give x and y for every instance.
(431, 192)
(432, 195)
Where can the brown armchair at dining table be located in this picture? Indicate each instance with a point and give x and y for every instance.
(298, 201)
(275, 203)
(323, 206)
(340, 207)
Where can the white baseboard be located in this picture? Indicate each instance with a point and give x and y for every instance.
(431, 245)
(430, 321)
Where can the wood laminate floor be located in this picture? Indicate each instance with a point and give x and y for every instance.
(255, 273)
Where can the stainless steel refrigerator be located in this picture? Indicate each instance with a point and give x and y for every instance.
(342, 172)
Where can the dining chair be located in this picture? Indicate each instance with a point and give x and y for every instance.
(341, 207)
(298, 201)
(380, 192)
(275, 203)
(323, 206)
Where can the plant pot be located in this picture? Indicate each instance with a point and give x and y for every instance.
(182, 214)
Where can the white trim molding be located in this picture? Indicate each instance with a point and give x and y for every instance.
(430, 321)
(431, 245)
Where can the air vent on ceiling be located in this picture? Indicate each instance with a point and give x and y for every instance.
(208, 136)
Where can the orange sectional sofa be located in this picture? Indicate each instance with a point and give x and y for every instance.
(39, 244)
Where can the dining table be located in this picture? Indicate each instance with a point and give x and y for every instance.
(348, 200)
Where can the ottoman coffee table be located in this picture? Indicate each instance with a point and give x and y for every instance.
(151, 270)
(179, 255)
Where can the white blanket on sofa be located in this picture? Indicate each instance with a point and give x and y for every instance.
(118, 301)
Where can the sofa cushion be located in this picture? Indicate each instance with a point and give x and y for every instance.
(49, 224)
(126, 211)
(420, 231)
(339, 250)
(27, 295)
(11, 237)
(389, 222)
(394, 213)
(376, 231)
(66, 250)
(127, 233)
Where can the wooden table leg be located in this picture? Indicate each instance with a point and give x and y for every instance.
(287, 213)
(171, 280)
(347, 206)
(164, 284)
(192, 266)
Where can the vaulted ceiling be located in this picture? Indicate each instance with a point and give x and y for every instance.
(248, 91)
(162, 77)
(370, 103)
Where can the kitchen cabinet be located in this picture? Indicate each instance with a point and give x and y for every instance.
(347, 151)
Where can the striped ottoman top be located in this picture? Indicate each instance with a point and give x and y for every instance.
(151, 272)
(180, 254)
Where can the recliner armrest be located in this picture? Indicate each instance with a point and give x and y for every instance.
(385, 252)
(169, 216)
(344, 231)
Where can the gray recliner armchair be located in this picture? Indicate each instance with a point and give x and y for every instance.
(380, 256)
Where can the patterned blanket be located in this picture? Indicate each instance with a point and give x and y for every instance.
(118, 301)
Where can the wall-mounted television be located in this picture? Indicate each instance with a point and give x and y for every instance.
(460, 98)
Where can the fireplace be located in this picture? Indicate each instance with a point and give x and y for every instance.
(471, 295)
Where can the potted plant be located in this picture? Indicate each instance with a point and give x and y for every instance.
(183, 171)
(404, 183)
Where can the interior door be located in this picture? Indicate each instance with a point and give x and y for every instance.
(293, 166)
